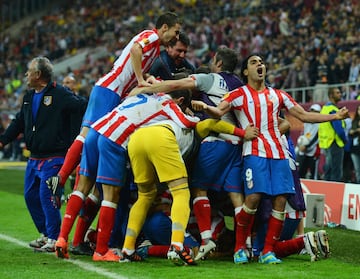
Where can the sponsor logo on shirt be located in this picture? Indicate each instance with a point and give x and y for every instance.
(146, 41)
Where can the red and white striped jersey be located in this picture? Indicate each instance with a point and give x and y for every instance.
(262, 109)
(138, 111)
(121, 79)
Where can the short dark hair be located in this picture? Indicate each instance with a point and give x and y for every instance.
(44, 65)
(186, 93)
(183, 38)
(169, 18)
(244, 66)
(228, 57)
(203, 69)
(331, 91)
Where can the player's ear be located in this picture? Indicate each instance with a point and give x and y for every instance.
(180, 100)
(165, 27)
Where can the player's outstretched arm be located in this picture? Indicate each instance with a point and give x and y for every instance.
(216, 112)
(165, 86)
(313, 117)
(203, 128)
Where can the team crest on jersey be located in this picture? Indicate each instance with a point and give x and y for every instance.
(146, 41)
(47, 100)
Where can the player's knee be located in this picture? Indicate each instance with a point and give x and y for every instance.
(148, 193)
(198, 193)
(80, 138)
(178, 184)
(280, 215)
(252, 201)
(248, 210)
(84, 131)
(180, 193)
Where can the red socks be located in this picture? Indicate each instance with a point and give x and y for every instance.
(105, 226)
(273, 234)
(158, 251)
(286, 248)
(202, 212)
(244, 222)
(72, 159)
(90, 209)
(73, 208)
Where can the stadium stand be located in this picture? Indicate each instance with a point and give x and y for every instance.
(84, 37)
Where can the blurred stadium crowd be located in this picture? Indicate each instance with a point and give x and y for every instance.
(325, 35)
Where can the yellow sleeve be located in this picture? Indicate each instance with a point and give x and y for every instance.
(204, 127)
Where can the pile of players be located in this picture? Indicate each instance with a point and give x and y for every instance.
(171, 134)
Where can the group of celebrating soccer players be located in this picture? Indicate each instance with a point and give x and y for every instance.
(167, 135)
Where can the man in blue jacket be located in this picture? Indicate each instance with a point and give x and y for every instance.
(44, 119)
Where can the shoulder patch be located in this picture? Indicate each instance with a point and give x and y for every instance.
(226, 95)
(145, 41)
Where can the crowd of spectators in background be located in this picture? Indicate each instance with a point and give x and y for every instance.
(323, 35)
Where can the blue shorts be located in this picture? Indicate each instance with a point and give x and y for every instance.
(218, 167)
(270, 176)
(112, 162)
(102, 100)
(90, 155)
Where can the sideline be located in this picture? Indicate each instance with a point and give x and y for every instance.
(83, 265)
(5, 164)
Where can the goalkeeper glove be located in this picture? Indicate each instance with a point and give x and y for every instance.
(57, 190)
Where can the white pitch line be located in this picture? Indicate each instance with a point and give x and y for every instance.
(83, 265)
